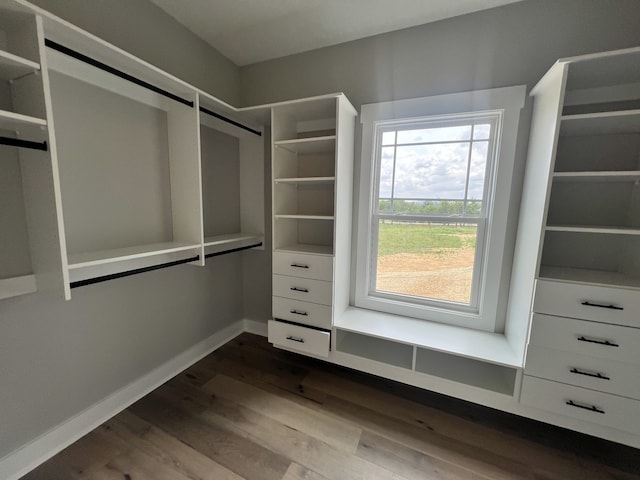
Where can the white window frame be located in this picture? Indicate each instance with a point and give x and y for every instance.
(493, 267)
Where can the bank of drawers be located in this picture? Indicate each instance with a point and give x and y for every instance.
(583, 358)
(303, 294)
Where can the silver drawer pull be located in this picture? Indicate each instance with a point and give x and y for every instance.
(295, 339)
(606, 343)
(299, 265)
(296, 289)
(590, 374)
(600, 305)
(297, 312)
(591, 408)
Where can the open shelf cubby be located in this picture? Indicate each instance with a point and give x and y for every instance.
(377, 349)
(488, 376)
(303, 235)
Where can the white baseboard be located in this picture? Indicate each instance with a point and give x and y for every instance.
(23, 460)
(255, 327)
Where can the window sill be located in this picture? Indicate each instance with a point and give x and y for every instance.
(488, 347)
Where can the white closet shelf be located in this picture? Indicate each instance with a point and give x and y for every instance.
(231, 241)
(16, 121)
(591, 277)
(13, 66)
(593, 229)
(602, 123)
(604, 176)
(91, 259)
(304, 217)
(306, 248)
(307, 180)
(14, 286)
(308, 145)
(484, 346)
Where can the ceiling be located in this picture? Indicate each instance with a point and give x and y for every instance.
(250, 31)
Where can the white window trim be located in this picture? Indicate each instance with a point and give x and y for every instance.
(510, 101)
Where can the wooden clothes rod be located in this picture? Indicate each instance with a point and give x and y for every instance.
(16, 142)
(114, 71)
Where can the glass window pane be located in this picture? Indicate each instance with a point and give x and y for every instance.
(482, 131)
(431, 171)
(477, 170)
(388, 138)
(426, 260)
(386, 171)
(439, 134)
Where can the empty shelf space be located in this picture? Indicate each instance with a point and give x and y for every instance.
(305, 217)
(224, 243)
(603, 123)
(12, 287)
(497, 378)
(592, 277)
(605, 176)
(13, 66)
(308, 145)
(379, 350)
(306, 180)
(591, 229)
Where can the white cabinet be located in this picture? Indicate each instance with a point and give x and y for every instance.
(312, 172)
(579, 238)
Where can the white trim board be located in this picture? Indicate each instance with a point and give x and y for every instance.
(29, 456)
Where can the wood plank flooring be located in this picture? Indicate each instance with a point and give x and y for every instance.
(250, 411)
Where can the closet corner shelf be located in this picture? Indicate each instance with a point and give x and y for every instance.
(306, 180)
(602, 123)
(597, 176)
(16, 121)
(15, 286)
(13, 66)
(304, 217)
(230, 242)
(309, 144)
(593, 229)
(590, 277)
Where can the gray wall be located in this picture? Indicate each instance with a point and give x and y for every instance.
(504, 46)
(146, 31)
(58, 358)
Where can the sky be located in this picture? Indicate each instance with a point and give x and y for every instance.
(434, 170)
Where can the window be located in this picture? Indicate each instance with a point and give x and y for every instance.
(435, 192)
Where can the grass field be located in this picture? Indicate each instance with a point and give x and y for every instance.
(423, 238)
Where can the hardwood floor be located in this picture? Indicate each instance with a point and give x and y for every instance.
(250, 411)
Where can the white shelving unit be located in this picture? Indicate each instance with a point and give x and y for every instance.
(30, 255)
(585, 155)
(312, 162)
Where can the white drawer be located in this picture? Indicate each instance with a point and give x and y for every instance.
(299, 339)
(307, 313)
(600, 340)
(304, 289)
(587, 405)
(583, 371)
(319, 267)
(601, 304)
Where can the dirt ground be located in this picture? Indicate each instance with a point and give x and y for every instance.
(445, 275)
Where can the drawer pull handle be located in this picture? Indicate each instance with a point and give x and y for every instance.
(599, 305)
(296, 289)
(295, 339)
(296, 312)
(589, 374)
(299, 265)
(591, 408)
(599, 342)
